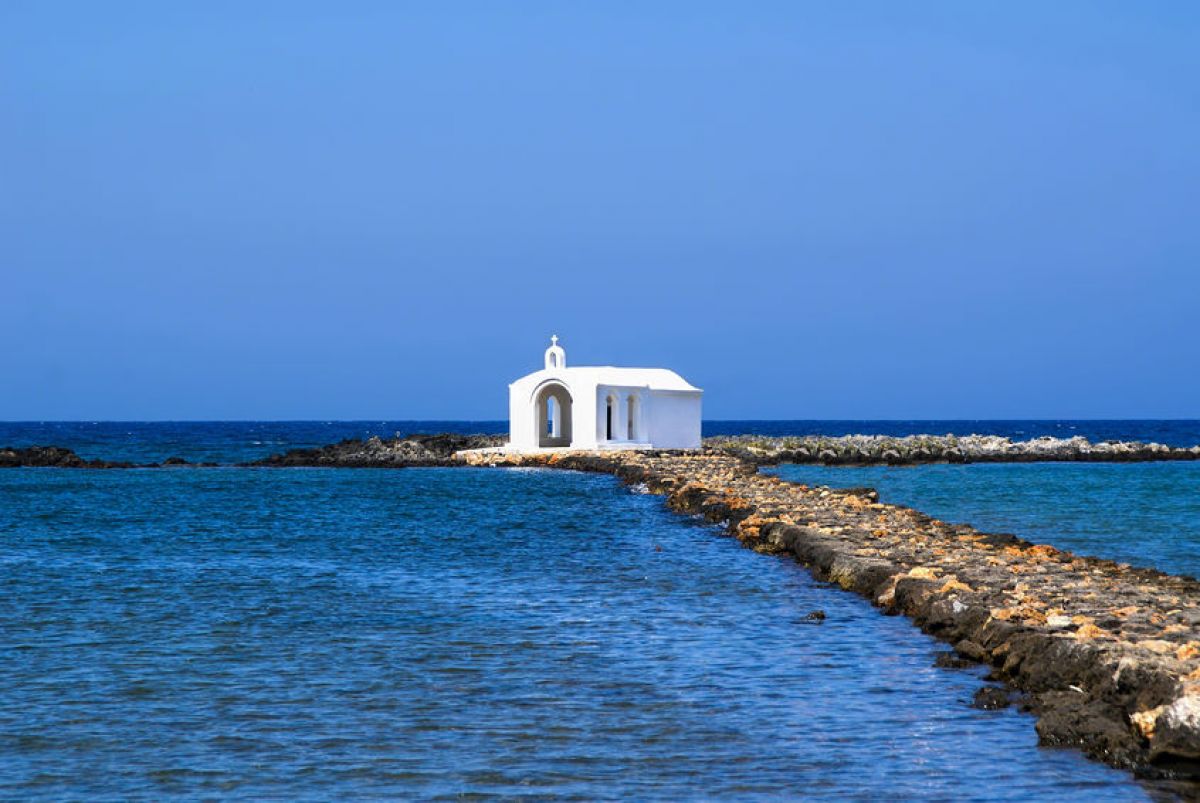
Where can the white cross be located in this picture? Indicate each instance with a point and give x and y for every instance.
(554, 340)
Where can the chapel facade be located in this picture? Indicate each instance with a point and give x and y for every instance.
(601, 407)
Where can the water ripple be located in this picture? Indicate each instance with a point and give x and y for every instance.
(313, 634)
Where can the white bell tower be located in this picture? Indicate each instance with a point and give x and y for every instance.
(556, 358)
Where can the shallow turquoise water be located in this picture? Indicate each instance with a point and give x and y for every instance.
(1146, 514)
(317, 634)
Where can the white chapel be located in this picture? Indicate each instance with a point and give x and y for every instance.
(601, 407)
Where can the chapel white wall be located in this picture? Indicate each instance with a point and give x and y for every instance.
(673, 420)
(521, 414)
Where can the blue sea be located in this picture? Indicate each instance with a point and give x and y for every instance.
(441, 633)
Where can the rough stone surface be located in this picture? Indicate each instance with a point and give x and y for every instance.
(414, 450)
(1175, 729)
(51, 457)
(1108, 654)
(913, 449)
(991, 698)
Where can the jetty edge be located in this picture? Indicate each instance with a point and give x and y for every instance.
(1107, 656)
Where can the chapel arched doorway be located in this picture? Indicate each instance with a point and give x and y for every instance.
(553, 405)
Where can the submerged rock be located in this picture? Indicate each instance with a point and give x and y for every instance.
(949, 660)
(990, 698)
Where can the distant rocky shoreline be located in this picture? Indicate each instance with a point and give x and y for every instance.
(52, 457)
(856, 450)
(870, 450)
(410, 451)
(846, 450)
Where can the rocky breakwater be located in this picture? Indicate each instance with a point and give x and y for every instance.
(1107, 656)
(915, 449)
(375, 452)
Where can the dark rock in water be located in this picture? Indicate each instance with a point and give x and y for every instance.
(869, 494)
(1067, 718)
(52, 457)
(45, 456)
(812, 618)
(991, 698)
(415, 450)
(973, 651)
(949, 660)
(375, 452)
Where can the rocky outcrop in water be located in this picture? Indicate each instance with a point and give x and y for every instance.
(915, 449)
(1107, 656)
(375, 452)
(439, 450)
(414, 450)
(52, 457)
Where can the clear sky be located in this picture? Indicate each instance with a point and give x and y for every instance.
(231, 210)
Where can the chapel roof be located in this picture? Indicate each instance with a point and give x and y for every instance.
(654, 378)
(583, 375)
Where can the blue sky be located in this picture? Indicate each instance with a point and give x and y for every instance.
(811, 210)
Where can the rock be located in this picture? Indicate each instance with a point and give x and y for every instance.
(1175, 731)
(973, 651)
(990, 698)
(911, 449)
(52, 457)
(375, 452)
(1067, 718)
(869, 494)
(949, 660)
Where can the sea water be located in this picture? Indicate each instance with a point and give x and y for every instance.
(322, 633)
(1145, 514)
